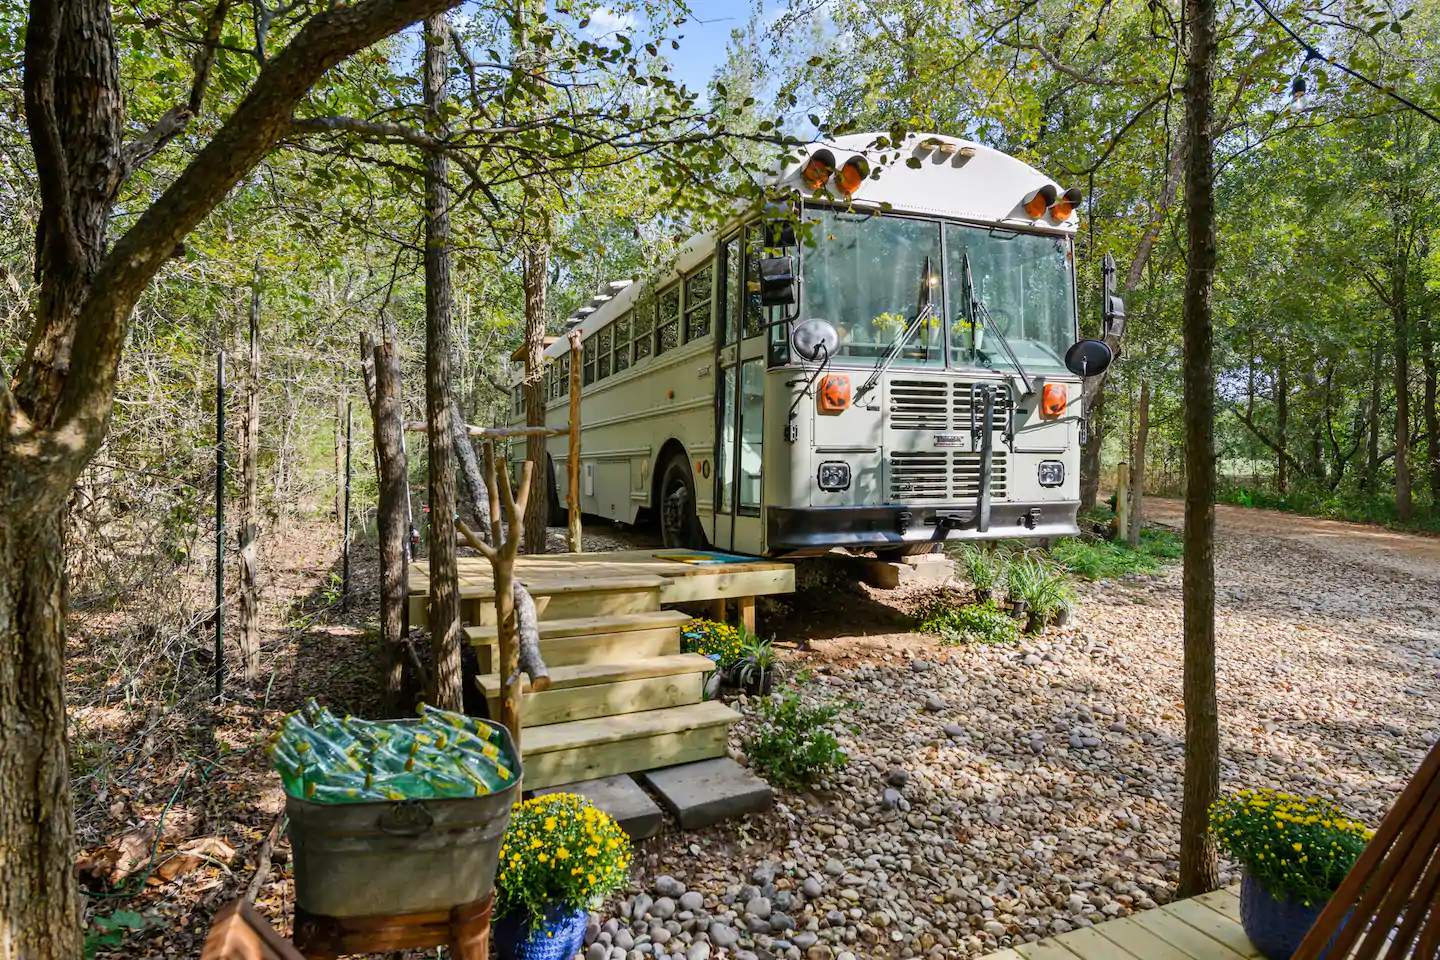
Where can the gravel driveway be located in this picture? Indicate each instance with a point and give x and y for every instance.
(1003, 794)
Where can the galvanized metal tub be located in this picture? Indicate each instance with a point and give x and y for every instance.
(410, 856)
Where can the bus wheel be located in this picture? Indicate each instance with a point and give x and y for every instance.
(679, 525)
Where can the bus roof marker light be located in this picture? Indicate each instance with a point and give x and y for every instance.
(818, 169)
(1064, 207)
(852, 175)
(1038, 202)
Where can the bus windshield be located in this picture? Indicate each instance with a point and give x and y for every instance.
(1023, 281)
(866, 274)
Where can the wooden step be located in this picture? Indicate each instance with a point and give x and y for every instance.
(597, 597)
(602, 747)
(586, 691)
(609, 639)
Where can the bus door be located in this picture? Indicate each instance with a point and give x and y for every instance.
(740, 403)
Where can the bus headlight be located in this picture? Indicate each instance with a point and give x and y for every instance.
(834, 475)
(1051, 473)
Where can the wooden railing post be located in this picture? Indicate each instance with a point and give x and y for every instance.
(572, 462)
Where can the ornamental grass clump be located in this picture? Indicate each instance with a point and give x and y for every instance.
(720, 642)
(1298, 848)
(560, 851)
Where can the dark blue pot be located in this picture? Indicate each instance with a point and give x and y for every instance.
(556, 936)
(1275, 926)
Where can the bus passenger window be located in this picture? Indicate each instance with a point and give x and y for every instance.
(602, 354)
(622, 343)
(754, 316)
(564, 377)
(697, 303)
(644, 327)
(730, 288)
(667, 322)
(752, 417)
(588, 377)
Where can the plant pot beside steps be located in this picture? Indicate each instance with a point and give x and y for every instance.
(1275, 924)
(558, 935)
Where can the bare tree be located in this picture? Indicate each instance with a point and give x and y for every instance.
(250, 500)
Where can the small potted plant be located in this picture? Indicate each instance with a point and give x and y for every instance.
(754, 669)
(1294, 851)
(1025, 585)
(983, 569)
(720, 642)
(560, 858)
(1051, 601)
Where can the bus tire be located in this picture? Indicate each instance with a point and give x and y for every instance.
(679, 524)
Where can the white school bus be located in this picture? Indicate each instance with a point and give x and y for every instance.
(901, 370)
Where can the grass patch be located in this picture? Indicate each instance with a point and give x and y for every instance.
(1093, 559)
(1333, 505)
(958, 624)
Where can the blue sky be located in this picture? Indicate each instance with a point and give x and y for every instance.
(702, 39)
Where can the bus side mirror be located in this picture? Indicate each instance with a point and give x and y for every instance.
(1112, 308)
(777, 281)
(1089, 358)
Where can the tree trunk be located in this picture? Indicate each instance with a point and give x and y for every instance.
(537, 265)
(1372, 424)
(479, 496)
(39, 902)
(1432, 415)
(1137, 465)
(1199, 869)
(1090, 452)
(448, 682)
(249, 639)
(1282, 424)
(386, 413)
(340, 463)
(1399, 310)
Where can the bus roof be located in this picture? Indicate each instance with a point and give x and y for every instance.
(926, 174)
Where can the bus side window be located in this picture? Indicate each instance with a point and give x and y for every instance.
(644, 324)
(588, 377)
(753, 319)
(698, 288)
(563, 376)
(667, 320)
(602, 353)
(730, 288)
(622, 342)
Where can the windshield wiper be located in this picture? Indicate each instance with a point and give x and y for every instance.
(925, 312)
(977, 308)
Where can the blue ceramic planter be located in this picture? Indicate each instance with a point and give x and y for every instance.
(556, 936)
(1275, 926)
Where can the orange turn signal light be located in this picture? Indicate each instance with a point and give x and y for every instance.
(834, 394)
(1068, 201)
(817, 169)
(1038, 202)
(852, 174)
(1053, 399)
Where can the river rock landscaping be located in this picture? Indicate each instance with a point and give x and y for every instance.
(997, 794)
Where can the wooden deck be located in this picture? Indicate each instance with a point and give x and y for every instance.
(556, 574)
(1206, 927)
(623, 697)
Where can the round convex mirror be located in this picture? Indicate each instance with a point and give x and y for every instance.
(1088, 358)
(814, 339)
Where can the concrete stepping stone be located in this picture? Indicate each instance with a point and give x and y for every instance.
(621, 797)
(708, 791)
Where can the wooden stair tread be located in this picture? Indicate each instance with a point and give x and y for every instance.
(583, 733)
(582, 626)
(588, 674)
(550, 586)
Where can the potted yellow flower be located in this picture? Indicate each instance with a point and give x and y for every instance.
(560, 858)
(1295, 851)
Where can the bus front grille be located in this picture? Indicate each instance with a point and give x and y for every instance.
(960, 406)
(919, 405)
(942, 477)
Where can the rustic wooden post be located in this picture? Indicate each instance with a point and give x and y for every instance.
(572, 462)
(1122, 500)
(250, 500)
(501, 552)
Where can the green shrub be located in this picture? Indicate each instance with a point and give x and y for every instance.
(985, 568)
(1298, 847)
(1095, 559)
(981, 622)
(794, 745)
(1027, 579)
